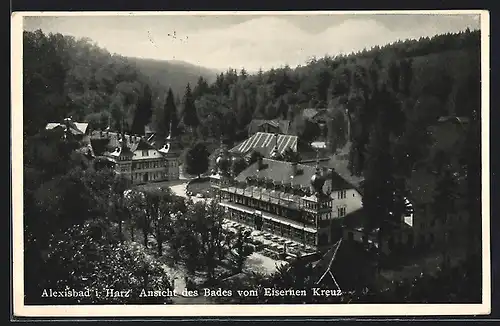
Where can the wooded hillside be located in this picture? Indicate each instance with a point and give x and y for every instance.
(431, 77)
(65, 76)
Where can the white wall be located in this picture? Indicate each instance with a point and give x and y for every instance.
(151, 153)
(172, 169)
(352, 202)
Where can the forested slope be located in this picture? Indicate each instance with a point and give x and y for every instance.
(64, 76)
(430, 76)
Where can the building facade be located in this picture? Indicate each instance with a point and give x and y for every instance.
(136, 159)
(287, 199)
(171, 152)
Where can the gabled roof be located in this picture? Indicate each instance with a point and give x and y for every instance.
(345, 264)
(76, 128)
(283, 125)
(264, 142)
(324, 265)
(280, 171)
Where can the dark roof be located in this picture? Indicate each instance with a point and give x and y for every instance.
(134, 142)
(354, 219)
(281, 171)
(340, 167)
(311, 113)
(283, 125)
(264, 142)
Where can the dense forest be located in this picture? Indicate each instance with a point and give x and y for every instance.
(64, 76)
(431, 76)
(389, 94)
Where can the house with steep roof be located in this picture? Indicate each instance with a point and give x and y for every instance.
(134, 157)
(79, 130)
(275, 126)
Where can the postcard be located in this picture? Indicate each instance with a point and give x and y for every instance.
(221, 164)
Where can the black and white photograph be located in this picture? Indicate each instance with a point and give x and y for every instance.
(250, 163)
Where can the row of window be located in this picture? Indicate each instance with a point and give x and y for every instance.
(341, 211)
(315, 206)
(261, 205)
(152, 176)
(148, 176)
(342, 194)
(148, 165)
(275, 209)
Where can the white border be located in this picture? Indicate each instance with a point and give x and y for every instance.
(20, 310)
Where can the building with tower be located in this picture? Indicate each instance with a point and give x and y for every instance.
(135, 158)
(288, 200)
(171, 151)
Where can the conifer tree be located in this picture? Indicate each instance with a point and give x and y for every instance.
(381, 198)
(190, 116)
(170, 119)
(282, 108)
(201, 88)
(143, 112)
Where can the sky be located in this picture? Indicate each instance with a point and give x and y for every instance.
(248, 41)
